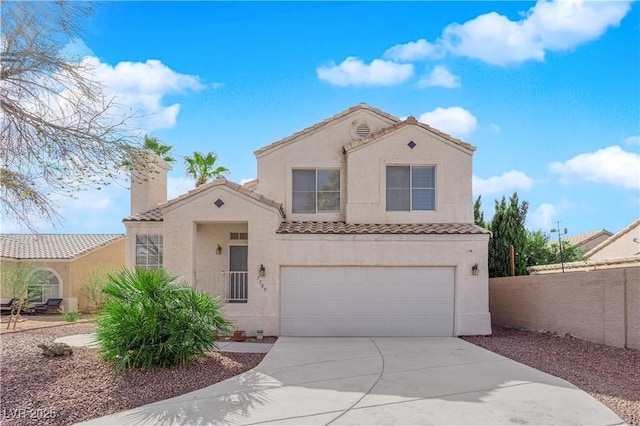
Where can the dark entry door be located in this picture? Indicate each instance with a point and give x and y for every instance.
(238, 266)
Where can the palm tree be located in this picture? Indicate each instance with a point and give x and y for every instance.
(203, 167)
(163, 151)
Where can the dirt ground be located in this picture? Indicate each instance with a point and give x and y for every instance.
(30, 322)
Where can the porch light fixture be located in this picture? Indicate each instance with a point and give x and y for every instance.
(475, 270)
(219, 249)
(262, 271)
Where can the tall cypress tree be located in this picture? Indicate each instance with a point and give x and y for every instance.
(507, 226)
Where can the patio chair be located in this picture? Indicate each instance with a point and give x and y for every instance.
(6, 304)
(51, 306)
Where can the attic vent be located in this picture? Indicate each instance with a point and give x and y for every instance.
(359, 129)
(363, 130)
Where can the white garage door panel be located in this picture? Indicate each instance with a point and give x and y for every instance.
(367, 301)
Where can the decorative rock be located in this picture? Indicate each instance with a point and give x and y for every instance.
(57, 349)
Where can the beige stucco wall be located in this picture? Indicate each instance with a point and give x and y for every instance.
(108, 258)
(149, 185)
(366, 180)
(621, 247)
(73, 273)
(194, 227)
(458, 251)
(593, 243)
(600, 306)
(58, 267)
(320, 148)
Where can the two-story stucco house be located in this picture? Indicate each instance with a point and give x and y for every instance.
(360, 225)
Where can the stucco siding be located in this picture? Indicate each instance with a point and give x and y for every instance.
(622, 247)
(366, 180)
(108, 258)
(600, 306)
(194, 228)
(320, 148)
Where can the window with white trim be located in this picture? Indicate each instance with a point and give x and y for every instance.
(411, 188)
(43, 284)
(316, 191)
(149, 251)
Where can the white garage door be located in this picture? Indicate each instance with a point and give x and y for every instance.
(366, 301)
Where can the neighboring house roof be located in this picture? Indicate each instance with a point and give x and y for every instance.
(401, 228)
(409, 121)
(612, 239)
(309, 129)
(582, 239)
(52, 246)
(155, 215)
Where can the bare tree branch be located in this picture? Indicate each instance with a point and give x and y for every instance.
(59, 131)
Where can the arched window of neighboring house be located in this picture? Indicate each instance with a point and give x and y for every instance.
(44, 284)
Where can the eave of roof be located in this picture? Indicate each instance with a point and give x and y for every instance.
(392, 228)
(410, 121)
(322, 123)
(153, 215)
(52, 246)
(156, 214)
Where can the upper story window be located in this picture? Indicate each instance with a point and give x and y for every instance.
(149, 251)
(316, 191)
(411, 188)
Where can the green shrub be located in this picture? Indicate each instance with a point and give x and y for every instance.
(151, 320)
(70, 316)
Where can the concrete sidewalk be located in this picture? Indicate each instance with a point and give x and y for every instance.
(366, 381)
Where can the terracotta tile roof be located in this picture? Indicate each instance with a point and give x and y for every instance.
(394, 228)
(52, 246)
(324, 122)
(580, 239)
(409, 121)
(153, 215)
(232, 185)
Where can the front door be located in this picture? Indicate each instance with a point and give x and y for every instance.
(238, 267)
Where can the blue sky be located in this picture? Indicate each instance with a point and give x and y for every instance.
(548, 92)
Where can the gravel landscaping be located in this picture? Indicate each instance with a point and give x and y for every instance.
(66, 390)
(611, 375)
(61, 391)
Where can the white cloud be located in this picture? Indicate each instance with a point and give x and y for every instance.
(548, 26)
(611, 165)
(542, 217)
(509, 182)
(632, 140)
(413, 51)
(245, 180)
(177, 186)
(354, 72)
(495, 128)
(140, 87)
(440, 76)
(455, 121)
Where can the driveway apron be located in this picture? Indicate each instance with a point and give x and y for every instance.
(378, 380)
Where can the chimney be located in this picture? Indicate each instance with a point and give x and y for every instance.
(148, 183)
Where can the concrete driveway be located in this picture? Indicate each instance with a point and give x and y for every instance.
(380, 380)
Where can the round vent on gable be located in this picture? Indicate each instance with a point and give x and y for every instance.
(363, 130)
(360, 129)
